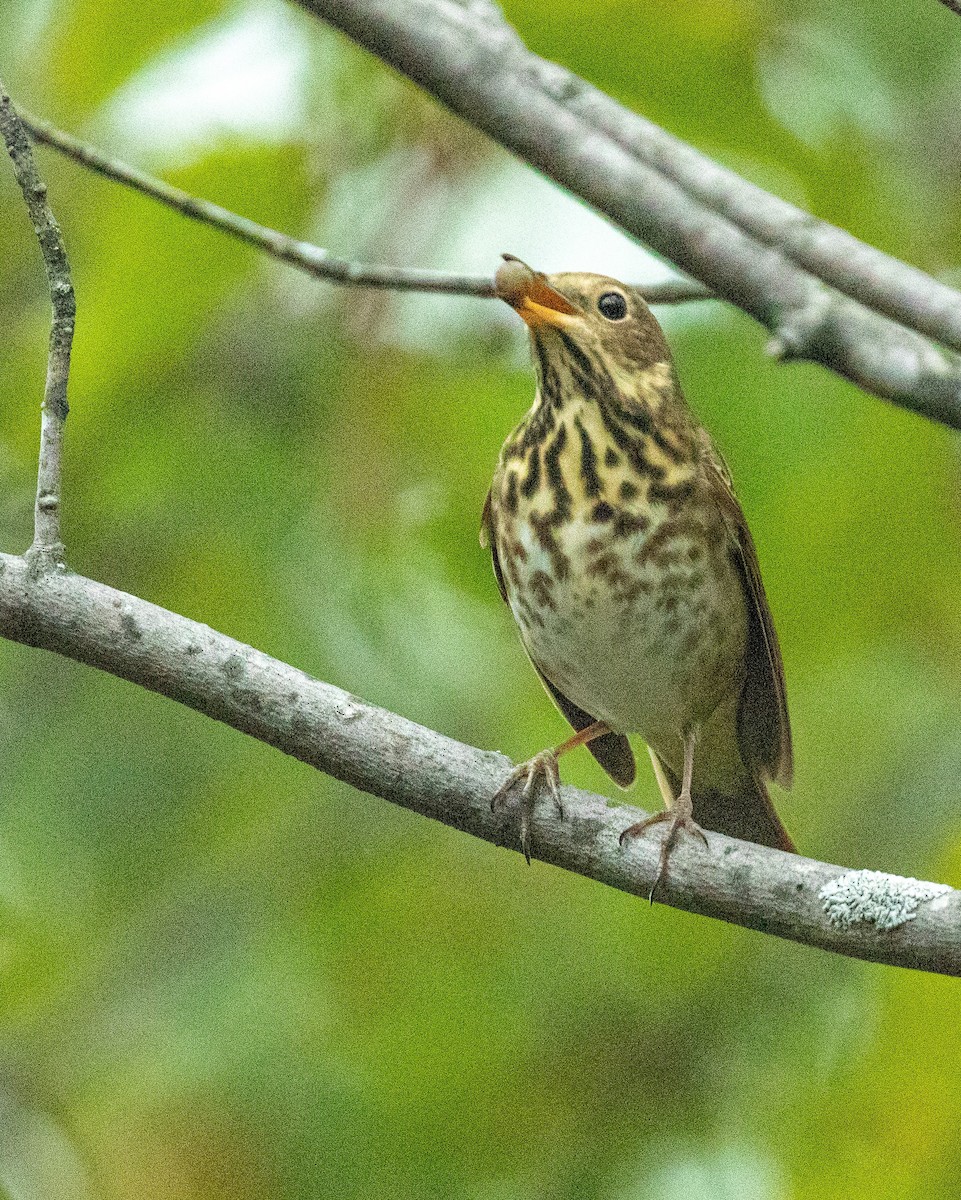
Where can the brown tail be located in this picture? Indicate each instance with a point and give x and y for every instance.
(747, 814)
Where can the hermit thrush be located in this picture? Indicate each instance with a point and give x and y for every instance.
(626, 560)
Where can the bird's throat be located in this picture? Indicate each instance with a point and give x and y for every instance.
(596, 445)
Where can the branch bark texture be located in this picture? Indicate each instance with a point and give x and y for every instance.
(47, 546)
(744, 244)
(389, 756)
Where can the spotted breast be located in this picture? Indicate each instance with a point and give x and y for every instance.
(620, 579)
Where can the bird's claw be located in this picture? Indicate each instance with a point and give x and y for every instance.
(542, 766)
(680, 818)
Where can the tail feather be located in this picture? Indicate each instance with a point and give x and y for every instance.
(747, 813)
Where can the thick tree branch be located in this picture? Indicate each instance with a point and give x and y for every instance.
(389, 756)
(478, 67)
(47, 549)
(312, 259)
(877, 280)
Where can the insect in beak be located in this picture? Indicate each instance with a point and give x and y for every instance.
(531, 296)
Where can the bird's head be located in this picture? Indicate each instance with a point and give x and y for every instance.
(592, 325)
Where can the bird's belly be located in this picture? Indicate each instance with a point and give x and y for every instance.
(643, 630)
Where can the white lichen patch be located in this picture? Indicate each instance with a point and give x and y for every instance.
(875, 898)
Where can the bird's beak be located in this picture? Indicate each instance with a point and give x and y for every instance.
(531, 296)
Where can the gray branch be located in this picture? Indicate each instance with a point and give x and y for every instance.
(877, 280)
(313, 259)
(883, 919)
(886, 284)
(479, 68)
(47, 548)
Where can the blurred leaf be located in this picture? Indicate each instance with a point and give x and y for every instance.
(83, 28)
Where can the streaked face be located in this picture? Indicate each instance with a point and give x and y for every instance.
(602, 318)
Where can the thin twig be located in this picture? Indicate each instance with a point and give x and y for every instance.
(47, 549)
(489, 79)
(886, 919)
(312, 259)
(954, 5)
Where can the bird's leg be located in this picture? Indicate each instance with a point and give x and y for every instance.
(542, 766)
(679, 811)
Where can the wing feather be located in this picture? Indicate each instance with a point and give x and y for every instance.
(487, 540)
(764, 728)
(613, 750)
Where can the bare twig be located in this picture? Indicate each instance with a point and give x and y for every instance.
(47, 549)
(482, 72)
(389, 756)
(312, 259)
(954, 5)
(677, 290)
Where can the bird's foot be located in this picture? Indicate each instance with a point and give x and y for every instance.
(681, 816)
(542, 766)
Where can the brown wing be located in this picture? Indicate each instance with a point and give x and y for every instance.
(487, 539)
(764, 728)
(613, 750)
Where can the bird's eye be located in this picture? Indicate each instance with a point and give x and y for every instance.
(613, 306)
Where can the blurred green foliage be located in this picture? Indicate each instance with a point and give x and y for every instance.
(223, 975)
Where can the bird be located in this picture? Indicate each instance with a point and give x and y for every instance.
(627, 563)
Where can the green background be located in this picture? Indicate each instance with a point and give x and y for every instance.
(224, 975)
